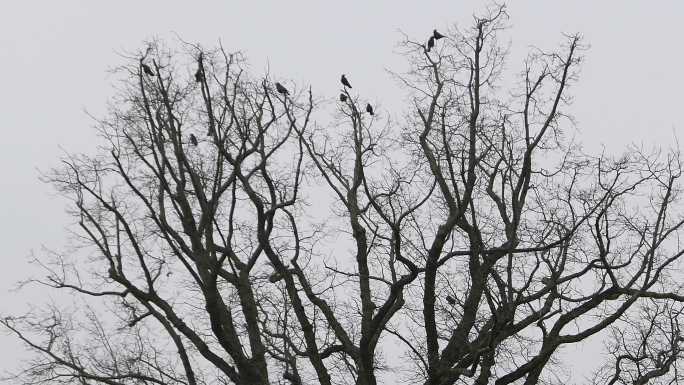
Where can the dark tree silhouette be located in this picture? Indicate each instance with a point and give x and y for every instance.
(467, 240)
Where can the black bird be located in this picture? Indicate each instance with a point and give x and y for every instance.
(437, 35)
(198, 75)
(275, 277)
(369, 109)
(147, 69)
(343, 97)
(193, 139)
(345, 82)
(450, 300)
(431, 43)
(281, 89)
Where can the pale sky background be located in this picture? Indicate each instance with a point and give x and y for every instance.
(54, 57)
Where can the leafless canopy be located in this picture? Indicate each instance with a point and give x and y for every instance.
(294, 240)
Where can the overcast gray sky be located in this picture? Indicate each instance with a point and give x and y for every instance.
(54, 58)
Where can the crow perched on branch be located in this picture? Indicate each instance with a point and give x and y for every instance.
(437, 35)
(431, 43)
(275, 277)
(193, 139)
(147, 69)
(199, 73)
(369, 109)
(343, 97)
(281, 89)
(345, 82)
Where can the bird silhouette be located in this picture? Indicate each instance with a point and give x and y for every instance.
(437, 35)
(345, 82)
(147, 69)
(431, 43)
(275, 277)
(281, 89)
(343, 97)
(369, 109)
(198, 75)
(193, 139)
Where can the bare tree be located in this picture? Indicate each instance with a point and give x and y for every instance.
(228, 232)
